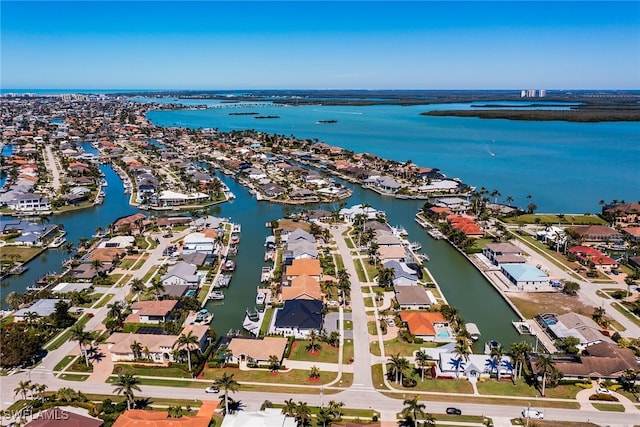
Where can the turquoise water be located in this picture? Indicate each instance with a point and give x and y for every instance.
(565, 167)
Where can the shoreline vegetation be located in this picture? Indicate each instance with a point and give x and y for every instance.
(581, 115)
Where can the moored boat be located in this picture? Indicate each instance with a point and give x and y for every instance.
(216, 296)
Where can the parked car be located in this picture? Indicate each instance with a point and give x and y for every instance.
(212, 389)
(536, 414)
(390, 321)
(602, 390)
(454, 411)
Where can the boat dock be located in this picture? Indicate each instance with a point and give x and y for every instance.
(431, 229)
(253, 321)
(265, 274)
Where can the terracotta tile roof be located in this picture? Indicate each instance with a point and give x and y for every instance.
(105, 254)
(142, 418)
(258, 349)
(56, 417)
(308, 266)
(301, 286)
(421, 322)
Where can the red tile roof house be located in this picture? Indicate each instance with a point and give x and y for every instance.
(587, 255)
(153, 312)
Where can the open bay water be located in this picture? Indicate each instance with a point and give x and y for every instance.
(565, 167)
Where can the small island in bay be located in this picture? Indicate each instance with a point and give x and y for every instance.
(326, 121)
(244, 114)
(266, 117)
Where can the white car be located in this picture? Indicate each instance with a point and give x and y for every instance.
(212, 389)
(536, 414)
(602, 390)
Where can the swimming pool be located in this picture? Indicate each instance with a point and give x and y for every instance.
(443, 334)
(191, 293)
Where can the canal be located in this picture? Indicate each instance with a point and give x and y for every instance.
(463, 286)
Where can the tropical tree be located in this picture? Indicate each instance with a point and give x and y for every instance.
(14, 300)
(274, 363)
(386, 276)
(496, 356)
(137, 286)
(313, 346)
(188, 342)
(422, 358)
(518, 352)
(83, 337)
(126, 384)
(336, 409)
(303, 414)
(227, 384)
(324, 417)
(116, 311)
(413, 409)
(157, 287)
(314, 372)
(23, 388)
(289, 407)
(344, 284)
(545, 366)
(398, 366)
(463, 351)
(136, 349)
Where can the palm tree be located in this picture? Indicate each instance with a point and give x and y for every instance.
(14, 300)
(289, 407)
(344, 284)
(545, 365)
(156, 287)
(136, 349)
(274, 363)
(422, 358)
(314, 372)
(386, 276)
(314, 345)
(324, 417)
(83, 337)
(126, 384)
(398, 366)
(463, 351)
(413, 409)
(188, 342)
(116, 311)
(336, 409)
(496, 355)
(519, 353)
(137, 286)
(303, 414)
(227, 384)
(23, 387)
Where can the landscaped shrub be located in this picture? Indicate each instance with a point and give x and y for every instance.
(603, 397)
(409, 382)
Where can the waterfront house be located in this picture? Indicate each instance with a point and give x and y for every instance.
(269, 417)
(598, 233)
(503, 253)
(632, 233)
(552, 235)
(59, 417)
(465, 224)
(198, 243)
(449, 364)
(430, 326)
(302, 287)
(573, 325)
(30, 202)
(41, 308)
(455, 204)
(117, 242)
(397, 253)
(146, 418)
(298, 235)
(298, 318)
(299, 250)
(154, 312)
(258, 351)
(403, 275)
(526, 277)
(350, 214)
(440, 186)
(181, 273)
(414, 297)
(130, 224)
(304, 266)
(624, 214)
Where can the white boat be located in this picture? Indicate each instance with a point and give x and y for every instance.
(216, 296)
(260, 298)
(229, 265)
(415, 246)
(57, 242)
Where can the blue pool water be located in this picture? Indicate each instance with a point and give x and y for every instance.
(443, 334)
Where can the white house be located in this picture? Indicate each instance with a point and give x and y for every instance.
(525, 276)
(198, 242)
(181, 273)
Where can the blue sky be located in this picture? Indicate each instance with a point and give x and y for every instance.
(320, 45)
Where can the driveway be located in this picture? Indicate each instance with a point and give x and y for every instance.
(331, 324)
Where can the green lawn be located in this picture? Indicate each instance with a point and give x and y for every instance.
(126, 263)
(396, 345)
(611, 407)
(104, 300)
(442, 386)
(74, 377)
(21, 253)
(562, 391)
(506, 388)
(152, 371)
(64, 337)
(371, 327)
(347, 351)
(555, 219)
(339, 262)
(140, 263)
(359, 270)
(348, 325)
(149, 274)
(327, 353)
(268, 315)
(294, 376)
(626, 313)
(63, 363)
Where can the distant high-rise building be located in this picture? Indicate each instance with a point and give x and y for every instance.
(523, 94)
(542, 93)
(531, 93)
